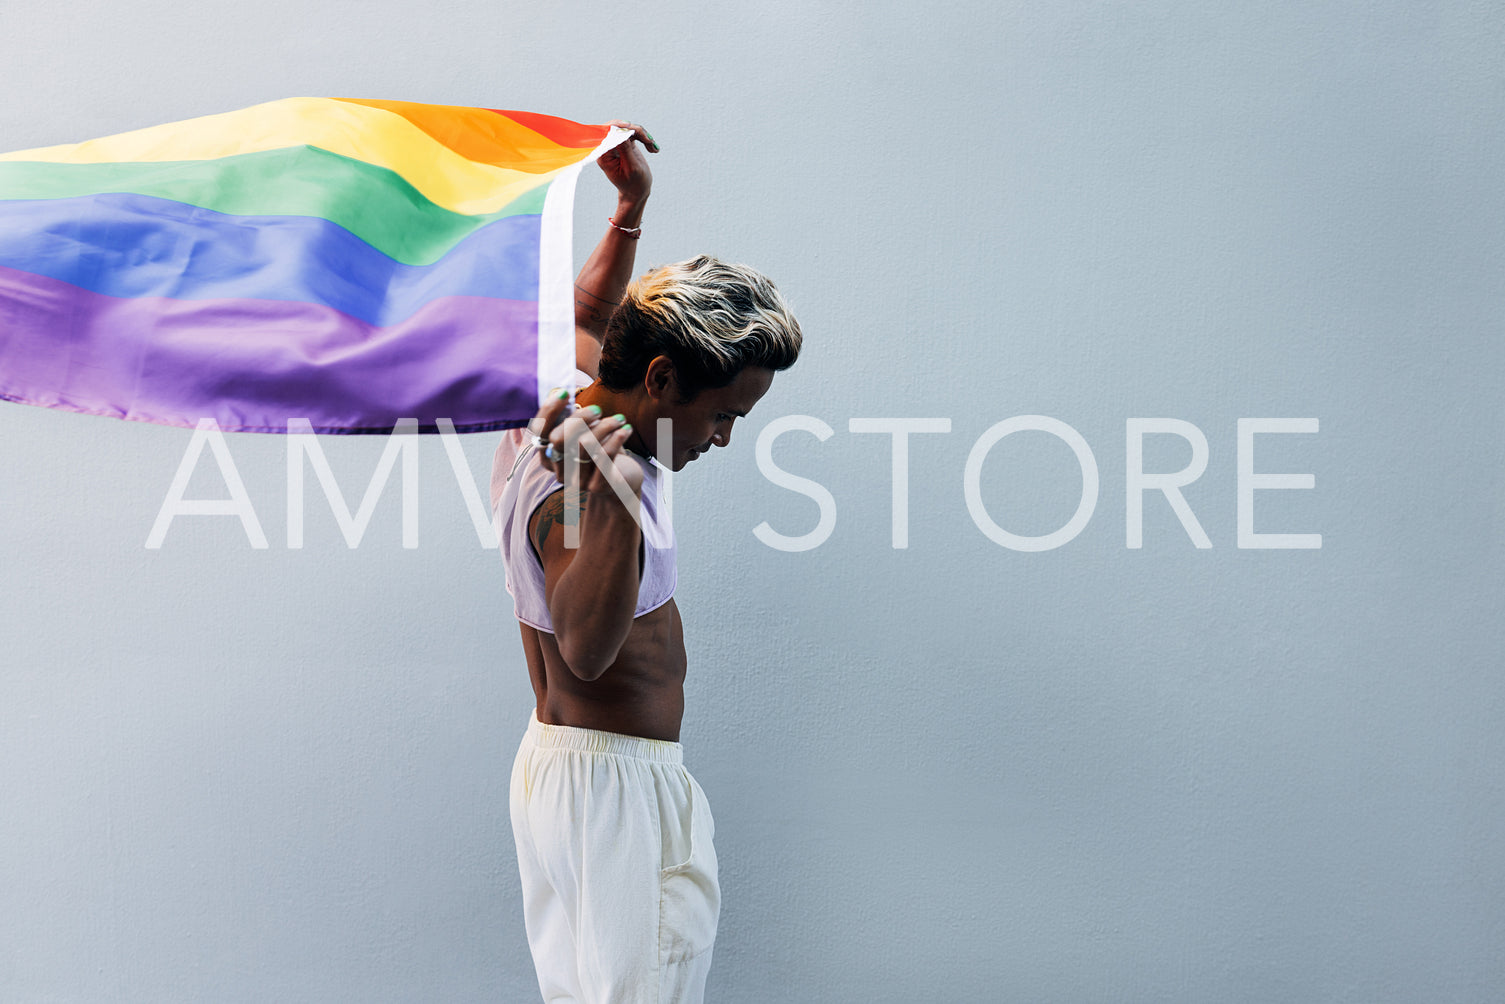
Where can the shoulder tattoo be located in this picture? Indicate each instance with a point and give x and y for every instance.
(552, 513)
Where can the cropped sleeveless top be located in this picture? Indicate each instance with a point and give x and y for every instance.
(519, 485)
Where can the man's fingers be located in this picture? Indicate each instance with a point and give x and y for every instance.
(607, 432)
(610, 435)
(550, 414)
(614, 439)
(570, 430)
(638, 133)
(583, 422)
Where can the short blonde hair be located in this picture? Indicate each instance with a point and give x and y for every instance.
(711, 319)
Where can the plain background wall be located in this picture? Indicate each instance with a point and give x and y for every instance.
(951, 772)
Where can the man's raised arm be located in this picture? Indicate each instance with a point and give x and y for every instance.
(602, 280)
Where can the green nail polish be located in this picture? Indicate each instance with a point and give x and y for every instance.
(627, 427)
(620, 418)
(594, 408)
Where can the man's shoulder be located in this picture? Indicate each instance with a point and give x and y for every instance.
(516, 465)
(504, 459)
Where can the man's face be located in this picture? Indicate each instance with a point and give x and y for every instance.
(707, 419)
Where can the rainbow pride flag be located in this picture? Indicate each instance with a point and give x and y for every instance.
(349, 262)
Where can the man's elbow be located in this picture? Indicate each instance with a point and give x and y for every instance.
(587, 662)
(588, 641)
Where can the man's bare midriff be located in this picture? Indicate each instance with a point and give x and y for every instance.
(641, 694)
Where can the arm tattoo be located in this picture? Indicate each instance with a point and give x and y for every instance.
(551, 513)
(597, 310)
(592, 314)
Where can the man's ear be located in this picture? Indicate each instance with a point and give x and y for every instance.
(659, 380)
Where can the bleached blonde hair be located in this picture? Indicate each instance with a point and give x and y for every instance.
(711, 319)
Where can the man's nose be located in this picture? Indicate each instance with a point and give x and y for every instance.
(723, 436)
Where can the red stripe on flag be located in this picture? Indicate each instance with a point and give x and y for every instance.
(561, 131)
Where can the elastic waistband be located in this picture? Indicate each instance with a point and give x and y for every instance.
(567, 737)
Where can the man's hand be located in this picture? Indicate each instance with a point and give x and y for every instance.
(626, 168)
(569, 437)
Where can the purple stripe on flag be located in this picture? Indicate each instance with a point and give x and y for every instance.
(253, 364)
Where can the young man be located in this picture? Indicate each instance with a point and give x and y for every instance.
(620, 892)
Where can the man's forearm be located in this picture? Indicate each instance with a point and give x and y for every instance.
(608, 270)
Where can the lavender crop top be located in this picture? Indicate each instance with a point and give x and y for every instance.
(519, 485)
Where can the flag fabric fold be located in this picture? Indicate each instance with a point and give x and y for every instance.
(345, 261)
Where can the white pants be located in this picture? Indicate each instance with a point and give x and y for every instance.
(618, 871)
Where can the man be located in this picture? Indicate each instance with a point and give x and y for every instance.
(618, 870)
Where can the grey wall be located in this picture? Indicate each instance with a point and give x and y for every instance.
(950, 772)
